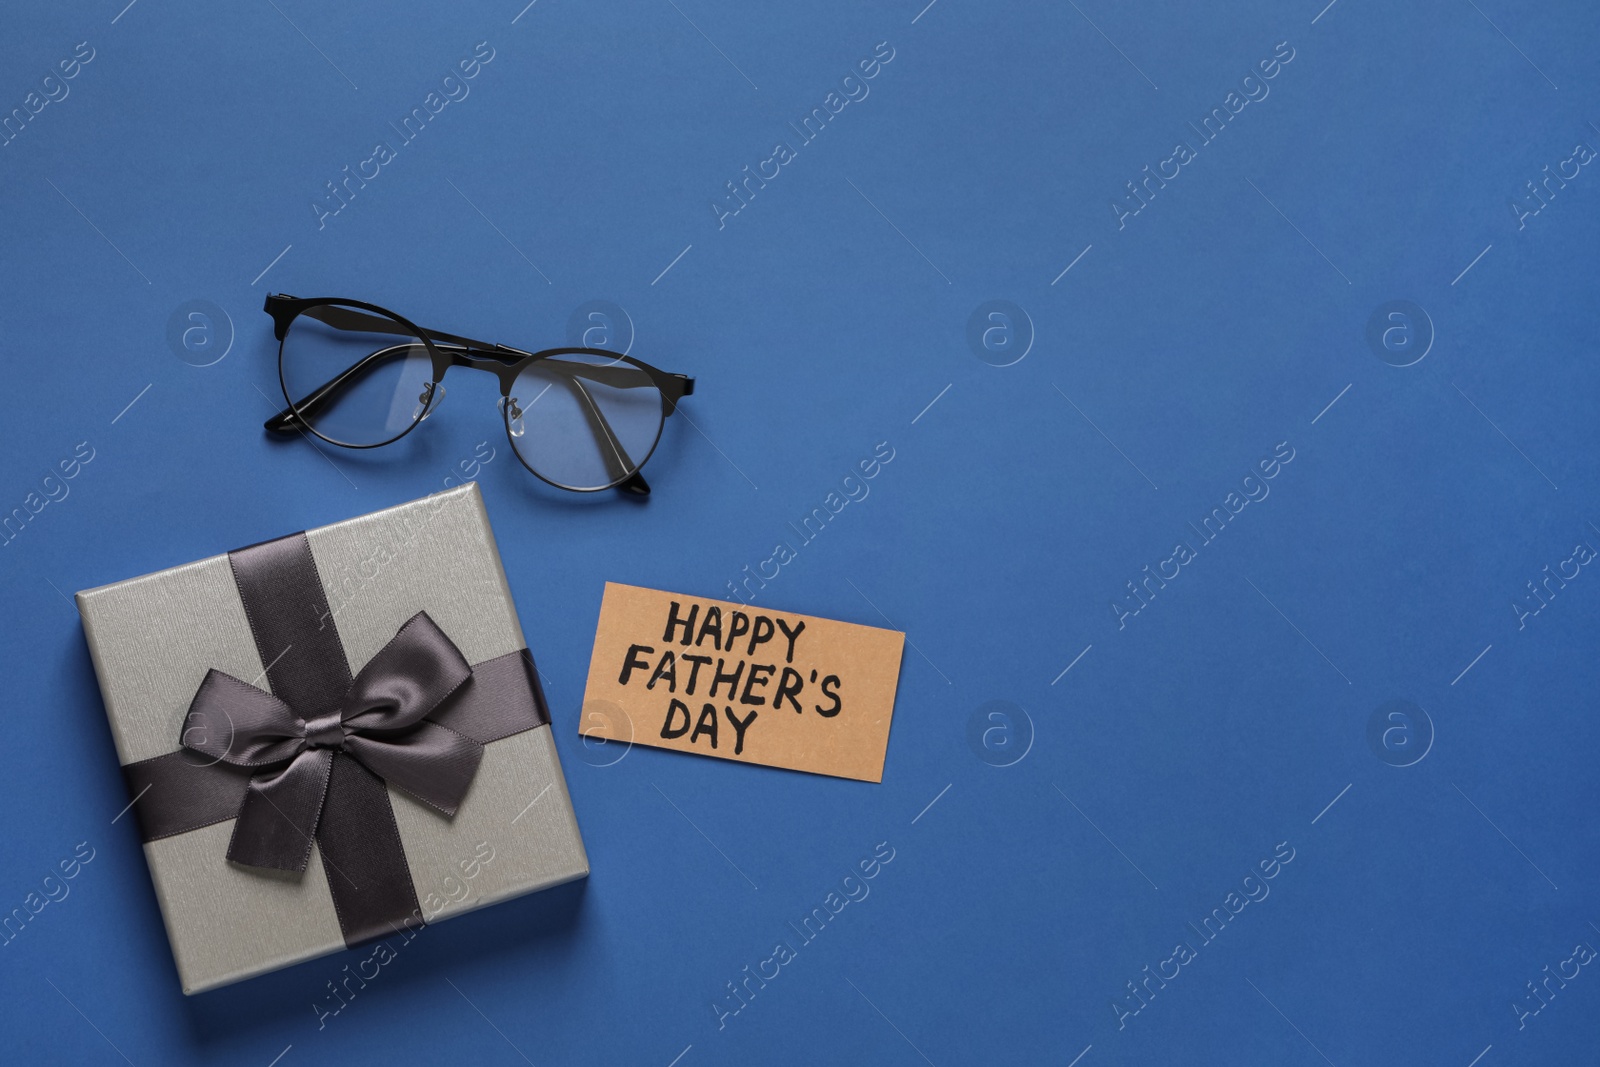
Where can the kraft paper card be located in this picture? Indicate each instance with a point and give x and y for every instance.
(741, 682)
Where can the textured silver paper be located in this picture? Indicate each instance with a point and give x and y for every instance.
(152, 640)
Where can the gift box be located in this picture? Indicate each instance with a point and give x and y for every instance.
(331, 737)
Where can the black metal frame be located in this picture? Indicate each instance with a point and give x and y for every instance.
(451, 350)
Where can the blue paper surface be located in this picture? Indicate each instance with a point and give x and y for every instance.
(1371, 274)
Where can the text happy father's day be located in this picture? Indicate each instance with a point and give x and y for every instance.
(710, 678)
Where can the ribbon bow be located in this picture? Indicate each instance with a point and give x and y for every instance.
(380, 722)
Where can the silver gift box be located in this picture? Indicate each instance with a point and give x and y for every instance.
(153, 639)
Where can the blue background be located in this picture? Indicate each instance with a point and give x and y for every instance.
(1069, 841)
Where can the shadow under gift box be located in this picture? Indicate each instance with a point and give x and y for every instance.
(154, 638)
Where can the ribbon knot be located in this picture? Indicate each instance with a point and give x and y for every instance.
(380, 721)
(326, 732)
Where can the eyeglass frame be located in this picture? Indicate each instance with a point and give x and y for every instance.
(448, 350)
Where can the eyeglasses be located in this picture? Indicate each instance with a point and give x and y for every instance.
(359, 376)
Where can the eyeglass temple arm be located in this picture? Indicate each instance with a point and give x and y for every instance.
(347, 319)
(293, 418)
(616, 457)
(618, 462)
(359, 321)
